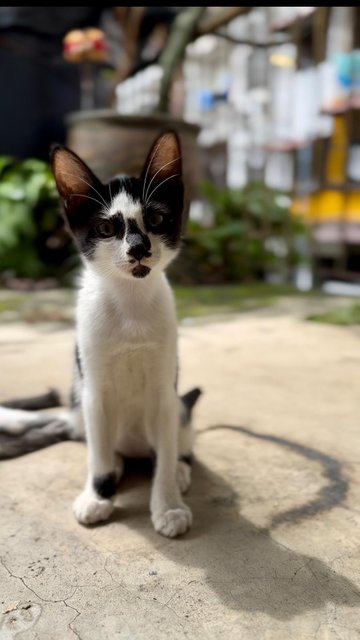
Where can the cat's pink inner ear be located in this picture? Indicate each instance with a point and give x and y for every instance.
(72, 175)
(164, 159)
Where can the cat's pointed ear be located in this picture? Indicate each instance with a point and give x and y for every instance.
(163, 162)
(74, 179)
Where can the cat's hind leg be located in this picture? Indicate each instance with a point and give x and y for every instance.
(185, 456)
(183, 474)
(186, 439)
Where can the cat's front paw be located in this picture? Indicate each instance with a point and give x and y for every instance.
(173, 522)
(89, 509)
(183, 476)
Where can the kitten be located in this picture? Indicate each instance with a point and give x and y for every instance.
(124, 392)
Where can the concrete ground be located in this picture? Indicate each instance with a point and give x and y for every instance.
(275, 546)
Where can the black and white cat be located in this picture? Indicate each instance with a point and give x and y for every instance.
(124, 394)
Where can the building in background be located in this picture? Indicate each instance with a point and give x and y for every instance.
(277, 96)
(288, 114)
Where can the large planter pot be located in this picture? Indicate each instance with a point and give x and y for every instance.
(112, 143)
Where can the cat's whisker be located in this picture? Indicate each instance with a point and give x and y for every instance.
(87, 183)
(149, 165)
(110, 192)
(161, 183)
(158, 171)
(82, 195)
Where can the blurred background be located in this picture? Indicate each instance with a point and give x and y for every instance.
(266, 102)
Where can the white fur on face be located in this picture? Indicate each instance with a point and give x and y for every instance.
(111, 257)
(125, 204)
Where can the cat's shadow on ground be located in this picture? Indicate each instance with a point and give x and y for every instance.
(240, 562)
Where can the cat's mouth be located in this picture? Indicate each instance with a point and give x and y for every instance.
(140, 271)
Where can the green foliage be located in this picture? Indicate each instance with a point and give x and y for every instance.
(345, 317)
(33, 242)
(252, 234)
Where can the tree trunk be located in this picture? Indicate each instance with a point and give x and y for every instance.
(183, 28)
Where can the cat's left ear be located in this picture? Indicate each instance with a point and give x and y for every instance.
(163, 163)
(75, 181)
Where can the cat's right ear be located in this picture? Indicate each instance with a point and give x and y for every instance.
(75, 181)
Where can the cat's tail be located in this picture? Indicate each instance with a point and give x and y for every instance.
(187, 403)
(189, 400)
(26, 427)
(33, 403)
(29, 424)
(186, 433)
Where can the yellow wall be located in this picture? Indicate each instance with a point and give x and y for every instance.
(328, 206)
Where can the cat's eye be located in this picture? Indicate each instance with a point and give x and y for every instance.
(106, 229)
(155, 219)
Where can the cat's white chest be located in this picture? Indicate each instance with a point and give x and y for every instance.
(128, 343)
(129, 398)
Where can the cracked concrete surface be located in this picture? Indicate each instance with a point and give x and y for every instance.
(243, 571)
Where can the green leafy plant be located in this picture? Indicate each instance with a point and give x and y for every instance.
(252, 235)
(344, 316)
(33, 241)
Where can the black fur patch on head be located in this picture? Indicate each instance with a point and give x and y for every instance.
(83, 226)
(118, 222)
(170, 208)
(82, 230)
(132, 186)
(105, 486)
(93, 235)
(134, 235)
